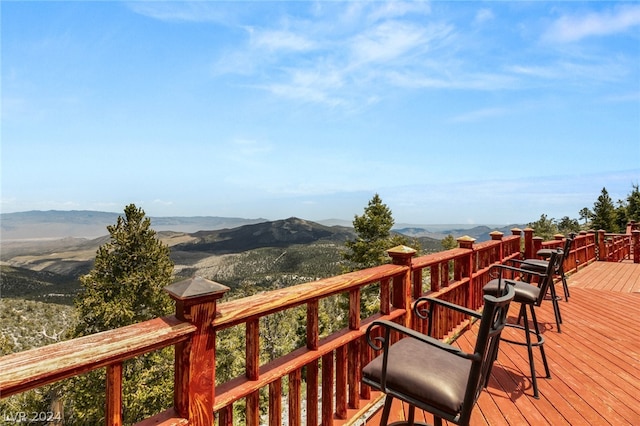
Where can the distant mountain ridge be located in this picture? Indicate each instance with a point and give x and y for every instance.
(37, 224)
(480, 233)
(57, 224)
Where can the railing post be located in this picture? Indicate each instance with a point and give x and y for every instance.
(497, 236)
(588, 254)
(602, 246)
(466, 242)
(515, 232)
(536, 245)
(528, 243)
(195, 359)
(635, 237)
(631, 226)
(401, 292)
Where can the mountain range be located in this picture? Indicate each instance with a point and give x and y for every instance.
(58, 224)
(43, 254)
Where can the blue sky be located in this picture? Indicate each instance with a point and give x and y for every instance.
(453, 112)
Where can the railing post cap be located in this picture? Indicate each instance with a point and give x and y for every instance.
(195, 288)
(558, 236)
(401, 255)
(401, 250)
(466, 241)
(496, 235)
(516, 231)
(538, 238)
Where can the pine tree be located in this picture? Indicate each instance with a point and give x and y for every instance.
(449, 242)
(373, 236)
(544, 227)
(373, 239)
(633, 204)
(604, 213)
(125, 287)
(621, 216)
(567, 226)
(586, 215)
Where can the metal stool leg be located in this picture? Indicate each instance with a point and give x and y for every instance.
(565, 286)
(387, 409)
(540, 342)
(556, 306)
(532, 367)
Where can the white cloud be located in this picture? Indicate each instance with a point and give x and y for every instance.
(396, 9)
(279, 40)
(570, 28)
(483, 15)
(386, 42)
(479, 115)
(189, 11)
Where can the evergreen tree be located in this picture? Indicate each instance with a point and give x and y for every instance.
(621, 216)
(544, 227)
(604, 213)
(125, 287)
(633, 204)
(373, 231)
(585, 214)
(373, 239)
(567, 226)
(449, 242)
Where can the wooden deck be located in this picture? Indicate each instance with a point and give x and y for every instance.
(595, 361)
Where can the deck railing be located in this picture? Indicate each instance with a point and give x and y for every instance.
(618, 247)
(327, 367)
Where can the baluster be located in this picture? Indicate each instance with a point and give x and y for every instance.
(312, 393)
(327, 389)
(114, 395)
(275, 402)
(341, 382)
(295, 408)
(225, 416)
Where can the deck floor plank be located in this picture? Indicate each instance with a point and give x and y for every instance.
(594, 362)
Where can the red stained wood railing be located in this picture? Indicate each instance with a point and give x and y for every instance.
(26, 370)
(471, 271)
(339, 354)
(329, 367)
(617, 247)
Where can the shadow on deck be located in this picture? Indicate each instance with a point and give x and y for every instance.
(595, 361)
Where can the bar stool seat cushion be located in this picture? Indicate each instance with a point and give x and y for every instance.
(525, 292)
(537, 265)
(442, 385)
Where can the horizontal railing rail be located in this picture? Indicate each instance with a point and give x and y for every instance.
(33, 368)
(326, 368)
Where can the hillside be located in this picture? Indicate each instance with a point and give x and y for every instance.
(22, 283)
(35, 269)
(280, 233)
